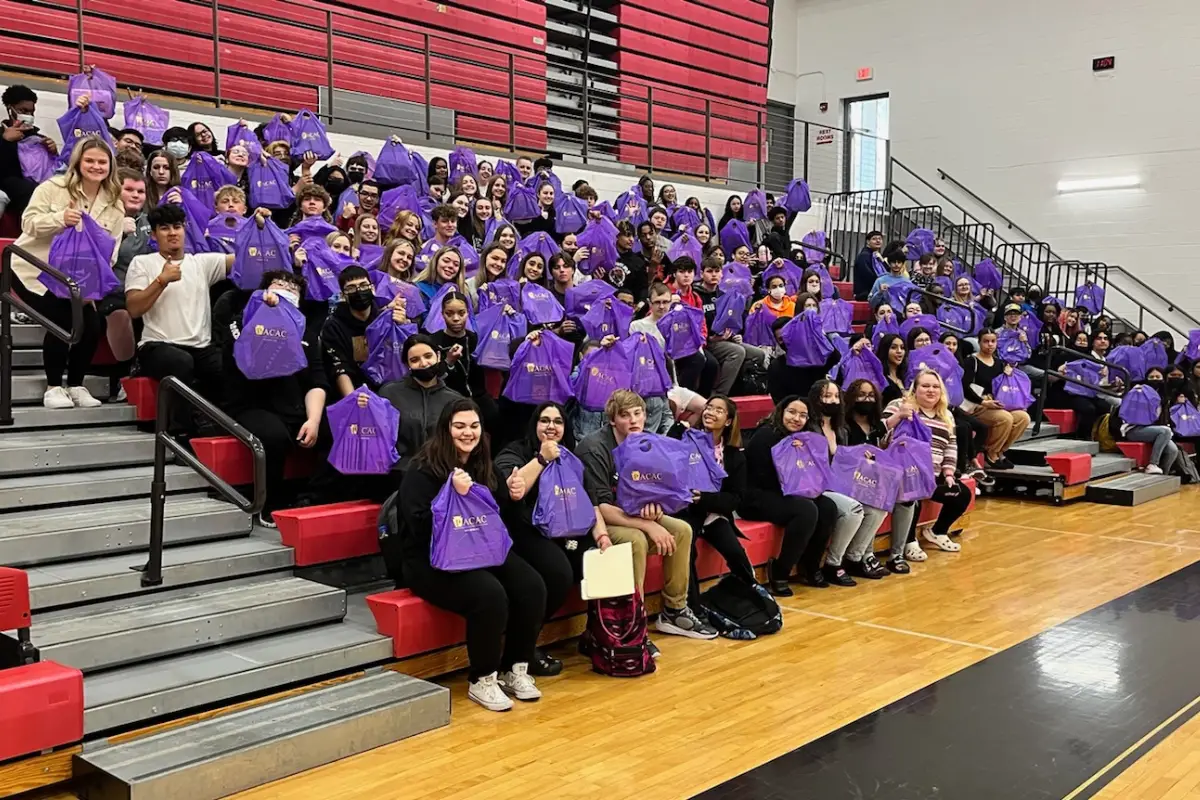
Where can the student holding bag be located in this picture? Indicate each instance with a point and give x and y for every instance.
(551, 524)
(502, 597)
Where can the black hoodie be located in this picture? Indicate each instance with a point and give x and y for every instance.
(344, 347)
(419, 411)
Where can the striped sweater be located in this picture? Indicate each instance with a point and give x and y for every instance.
(944, 444)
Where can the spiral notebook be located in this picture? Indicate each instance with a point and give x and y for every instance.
(607, 574)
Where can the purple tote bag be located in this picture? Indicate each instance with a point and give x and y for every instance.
(563, 508)
(912, 428)
(238, 133)
(520, 204)
(988, 275)
(704, 473)
(736, 278)
(686, 245)
(77, 124)
(648, 472)
(539, 305)
(733, 236)
(570, 214)
(388, 288)
(276, 130)
(385, 348)
(914, 459)
(647, 365)
(322, 267)
(802, 464)
(1010, 348)
(435, 320)
(805, 342)
(258, 250)
(84, 254)
(462, 161)
(499, 292)
(468, 532)
(863, 365)
(729, 314)
(920, 242)
(600, 238)
(788, 270)
(497, 330)
(682, 328)
(1086, 371)
(308, 136)
(222, 232)
(608, 317)
(1141, 405)
(758, 330)
(99, 86)
(36, 162)
(581, 298)
(797, 198)
(601, 372)
(269, 183)
(863, 473)
(364, 439)
(1013, 392)
(394, 166)
(1154, 352)
(837, 315)
(814, 239)
(1131, 358)
(1091, 297)
(1186, 419)
(754, 207)
(147, 119)
(939, 359)
(541, 371)
(204, 176)
(271, 344)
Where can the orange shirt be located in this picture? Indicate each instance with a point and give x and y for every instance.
(784, 308)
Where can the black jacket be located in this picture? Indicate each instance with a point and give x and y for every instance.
(779, 243)
(864, 273)
(856, 435)
(417, 493)
(761, 477)
(464, 376)
(344, 347)
(419, 411)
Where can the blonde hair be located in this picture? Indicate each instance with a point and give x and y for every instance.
(385, 265)
(73, 177)
(430, 273)
(333, 236)
(622, 400)
(229, 191)
(358, 229)
(401, 219)
(941, 409)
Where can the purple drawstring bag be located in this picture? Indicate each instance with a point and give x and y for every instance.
(754, 207)
(938, 358)
(972, 321)
(435, 320)
(729, 313)
(837, 315)
(259, 250)
(322, 267)
(36, 162)
(570, 214)
(240, 133)
(988, 276)
(1031, 325)
(204, 176)
(84, 254)
(685, 218)
(733, 236)
(581, 298)
(805, 342)
(311, 228)
(196, 214)
(926, 321)
(222, 232)
(814, 239)
(271, 343)
(1086, 371)
(541, 243)
(600, 238)
(648, 473)
(912, 428)
(1131, 358)
(497, 330)
(1192, 351)
(388, 288)
(788, 270)
(1154, 353)
(147, 119)
(99, 86)
(919, 243)
(563, 508)
(539, 304)
(1010, 348)
(78, 124)
(541, 370)
(608, 317)
(802, 464)
(600, 373)
(1186, 419)
(308, 136)
(394, 166)
(364, 439)
(370, 256)
(797, 199)
(276, 130)
(521, 203)
(704, 474)
(863, 365)
(685, 245)
(1091, 297)
(897, 293)
(1013, 392)
(863, 473)
(468, 532)
(499, 292)
(682, 328)
(914, 459)
(647, 365)
(885, 326)
(736, 279)
(1141, 405)
(758, 331)
(385, 348)
(462, 161)
(269, 183)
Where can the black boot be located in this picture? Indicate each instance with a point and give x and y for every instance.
(544, 664)
(776, 585)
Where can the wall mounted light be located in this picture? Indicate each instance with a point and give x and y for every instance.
(1099, 184)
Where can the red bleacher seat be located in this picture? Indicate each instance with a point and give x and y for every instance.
(1064, 418)
(334, 532)
(1074, 467)
(845, 289)
(1138, 451)
(142, 394)
(753, 409)
(41, 707)
(231, 461)
(862, 310)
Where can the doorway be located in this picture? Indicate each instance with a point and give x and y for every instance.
(866, 143)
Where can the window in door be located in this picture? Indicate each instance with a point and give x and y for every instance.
(867, 143)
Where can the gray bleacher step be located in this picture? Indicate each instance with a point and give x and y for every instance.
(227, 754)
(137, 694)
(28, 336)
(119, 632)
(1108, 464)
(1103, 465)
(1132, 490)
(30, 491)
(1048, 431)
(28, 387)
(37, 417)
(27, 359)
(1034, 452)
(69, 450)
(67, 534)
(72, 582)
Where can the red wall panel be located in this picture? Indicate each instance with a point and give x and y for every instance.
(681, 53)
(715, 16)
(680, 30)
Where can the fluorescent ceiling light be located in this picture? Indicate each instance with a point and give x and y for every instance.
(1099, 184)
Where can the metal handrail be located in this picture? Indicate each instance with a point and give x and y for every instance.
(169, 389)
(838, 258)
(8, 299)
(1040, 406)
(941, 298)
(1014, 226)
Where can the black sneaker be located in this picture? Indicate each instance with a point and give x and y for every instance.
(869, 568)
(899, 566)
(816, 579)
(1001, 463)
(653, 648)
(839, 577)
(780, 588)
(684, 622)
(544, 664)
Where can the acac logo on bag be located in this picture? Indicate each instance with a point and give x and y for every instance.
(270, 333)
(469, 522)
(864, 480)
(363, 430)
(569, 491)
(638, 475)
(540, 369)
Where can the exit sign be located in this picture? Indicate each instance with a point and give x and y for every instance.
(1104, 63)
(865, 74)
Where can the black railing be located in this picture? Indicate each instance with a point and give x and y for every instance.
(834, 256)
(850, 216)
(10, 300)
(171, 390)
(942, 299)
(1075, 355)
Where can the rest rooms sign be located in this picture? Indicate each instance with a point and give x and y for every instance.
(824, 135)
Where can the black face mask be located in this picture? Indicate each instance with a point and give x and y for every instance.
(830, 409)
(864, 407)
(335, 188)
(357, 175)
(360, 299)
(1155, 384)
(426, 374)
(1175, 384)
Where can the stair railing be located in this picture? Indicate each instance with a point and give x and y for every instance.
(171, 391)
(941, 299)
(1040, 406)
(10, 300)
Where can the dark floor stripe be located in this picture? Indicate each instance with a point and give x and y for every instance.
(1032, 722)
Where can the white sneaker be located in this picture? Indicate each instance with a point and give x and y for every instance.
(82, 398)
(1153, 469)
(913, 552)
(121, 396)
(57, 397)
(519, 683)
(486, 691)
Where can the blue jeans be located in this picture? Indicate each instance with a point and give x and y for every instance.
(1163, 451)
(659, 418)
(586, 422)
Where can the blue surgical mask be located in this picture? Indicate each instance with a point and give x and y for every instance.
(290, 296)
(177, 149)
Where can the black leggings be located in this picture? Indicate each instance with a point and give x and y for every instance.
(953, 505)
(549, 559)
(970, 434)
(504, 607)
(807, 525)
(57, 355)
(198, 367)
(697, 372)
(278, 437)
(723, 537)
